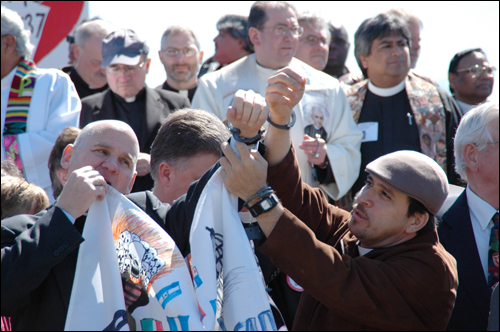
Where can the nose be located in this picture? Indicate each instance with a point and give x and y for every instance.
(111, 164)
(364, 197)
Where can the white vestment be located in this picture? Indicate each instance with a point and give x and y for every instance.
(322, 92)
(54, 105)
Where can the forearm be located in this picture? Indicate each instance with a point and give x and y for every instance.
(278, 141)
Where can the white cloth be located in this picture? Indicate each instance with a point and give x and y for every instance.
(230, 289)
(54, 105)
(118, 237)
(225, 288)
(386, 92)
(216, 92)
(480, 215)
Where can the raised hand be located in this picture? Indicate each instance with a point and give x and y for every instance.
(283, 92)
(315, 149)
(143, 164)
(248, 113)
(84, 185)
(244, 176)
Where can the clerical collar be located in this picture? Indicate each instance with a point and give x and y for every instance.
(265, 70)
(464, 107)
(386, 92)
(363, 251)
(130, 100)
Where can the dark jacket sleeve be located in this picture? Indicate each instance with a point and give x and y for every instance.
(31, 247)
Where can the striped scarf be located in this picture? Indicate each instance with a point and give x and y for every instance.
(18, 106)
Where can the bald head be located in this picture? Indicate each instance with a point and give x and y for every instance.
(111, 148)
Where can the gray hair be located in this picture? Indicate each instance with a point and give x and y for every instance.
(184, 134)
(379, 26)
(12, 24)
(314, 21)
(176, 29)
(407, 16)
(92, 28)
(237, 26)
(472, 131)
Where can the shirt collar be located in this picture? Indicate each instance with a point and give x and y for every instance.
(386, 92)
(7, 80)
(481, 210)
(464, 107)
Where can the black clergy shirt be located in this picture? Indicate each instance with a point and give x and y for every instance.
(393, 115)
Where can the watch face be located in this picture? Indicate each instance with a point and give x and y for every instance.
(266, 205)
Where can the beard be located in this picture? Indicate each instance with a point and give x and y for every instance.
(183, 76)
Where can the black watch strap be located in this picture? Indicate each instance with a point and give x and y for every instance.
(264, 205)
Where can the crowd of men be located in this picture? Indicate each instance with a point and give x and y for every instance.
(361, 232)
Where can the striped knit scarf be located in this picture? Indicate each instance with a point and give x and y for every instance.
(18, 106)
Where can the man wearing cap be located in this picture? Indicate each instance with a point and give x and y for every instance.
(231, 43)
(125, 57)
(380, 266)
(469, 229)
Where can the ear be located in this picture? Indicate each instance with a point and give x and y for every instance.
(77, 51)
(10, 42)
(364, 61)
(201, 56)
(131, 184)
(254, 36)
(62, 175)
(148, 62)
(418, 221)
(165, 174)
(66, 157)
(469, 152)
(160, 56)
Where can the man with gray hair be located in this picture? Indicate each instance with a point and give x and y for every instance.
(181, 56)
(125, 59)
(36, 104)
(87, 75)
(395, 109)
(314, 42)
(231, 43)
(469, 229)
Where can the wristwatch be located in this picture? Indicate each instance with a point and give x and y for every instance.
(264, 205)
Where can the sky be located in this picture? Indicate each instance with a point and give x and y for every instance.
(449, 27)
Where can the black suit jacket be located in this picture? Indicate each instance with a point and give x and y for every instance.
(159, 105)
(473, 296)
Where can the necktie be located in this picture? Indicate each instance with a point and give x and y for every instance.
(493, 254)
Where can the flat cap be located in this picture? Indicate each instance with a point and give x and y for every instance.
(123, 47)
(415, 175)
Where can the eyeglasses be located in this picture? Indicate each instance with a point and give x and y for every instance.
(313, 40)
(282, 30)
(174, 52)
(478, 70)
(117, 70)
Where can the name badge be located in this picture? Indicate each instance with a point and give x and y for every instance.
(370, 131)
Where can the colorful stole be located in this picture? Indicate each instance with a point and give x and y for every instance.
(18, 106)
(427, 108)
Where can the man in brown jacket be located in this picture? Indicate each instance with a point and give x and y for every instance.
(379, 267)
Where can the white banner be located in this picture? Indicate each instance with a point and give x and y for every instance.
(135, 266)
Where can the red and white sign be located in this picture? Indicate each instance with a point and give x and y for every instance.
(50, 22)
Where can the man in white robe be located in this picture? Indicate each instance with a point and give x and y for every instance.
(54, 103)
(274, 33)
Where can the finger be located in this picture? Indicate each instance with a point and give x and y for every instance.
(101, 192)
(231, 114)
(226, 165)
(281, 89)
(293, 74)
(239, 99)
(257, 156)
(258, 107)
(285, 79)
(243, 150)
(229, 154)
(247, 108)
